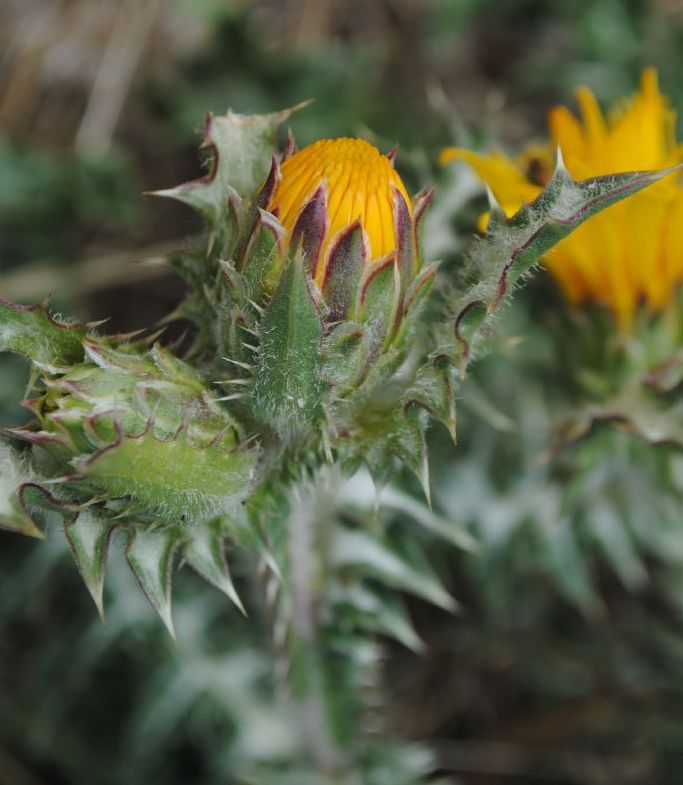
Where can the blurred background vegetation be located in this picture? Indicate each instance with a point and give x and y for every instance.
(565, 664)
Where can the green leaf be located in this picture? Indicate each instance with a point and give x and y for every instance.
(419, 291)
(512, 246)
(205, 553)
(569, 567)
(611, 534)
(242, 148)
(287, 385)
(33, 332)
(360, 492)
(358, 550)
(150, 556)
(381, 613)
(89, 537)
(26, 507)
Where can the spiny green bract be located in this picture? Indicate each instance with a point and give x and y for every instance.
(127, 438)
(141, 429)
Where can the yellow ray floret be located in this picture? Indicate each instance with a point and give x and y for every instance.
(359, 183)
(633, 252)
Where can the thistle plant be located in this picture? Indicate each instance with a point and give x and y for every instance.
(321, 340)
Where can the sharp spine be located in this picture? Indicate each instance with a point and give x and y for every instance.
(246, 366)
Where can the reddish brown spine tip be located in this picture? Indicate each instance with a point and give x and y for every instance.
(422, 202)
(268, 188)
(206, 135)
(290, 146)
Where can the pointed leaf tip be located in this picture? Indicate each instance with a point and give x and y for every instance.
(502, 257)
(88, 537)
(150, 557)
(359, 550)
(205, 553)
(494, 204)
(406, 252)
(241, 148)
(496, 212)
(560, 165)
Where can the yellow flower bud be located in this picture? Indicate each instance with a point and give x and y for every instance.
(332, 185)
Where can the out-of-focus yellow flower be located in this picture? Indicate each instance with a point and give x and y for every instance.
(633, 252)
(330, 185)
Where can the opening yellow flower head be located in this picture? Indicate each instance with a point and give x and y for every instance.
(633, 252)
(335, 185)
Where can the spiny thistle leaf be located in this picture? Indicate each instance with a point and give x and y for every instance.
(18, 522)
(512, 246)
(33, 332)
(361, 493)
(205, 553)
(358, 550)
(242, 147)
(378, 612)
(89, 537)
(150, 556)
(344, 355)
(287, 385)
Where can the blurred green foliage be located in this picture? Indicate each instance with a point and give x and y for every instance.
(48, 201)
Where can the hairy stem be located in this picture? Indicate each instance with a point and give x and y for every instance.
(318, 696)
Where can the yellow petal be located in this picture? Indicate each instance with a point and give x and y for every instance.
(508, 183)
